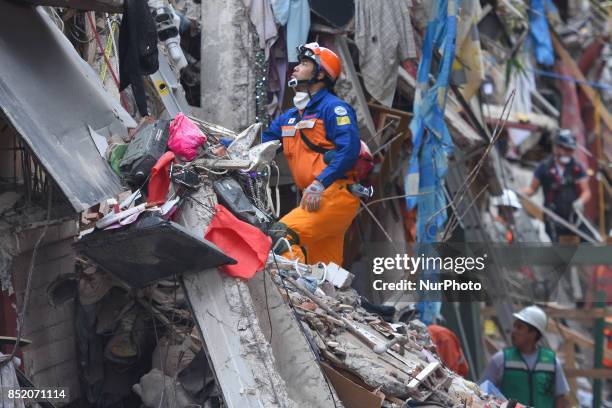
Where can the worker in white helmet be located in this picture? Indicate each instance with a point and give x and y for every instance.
(503, 225)
(526, 372)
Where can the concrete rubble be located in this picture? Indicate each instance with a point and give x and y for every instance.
(293, 335)
(265, 339)
(395, 371)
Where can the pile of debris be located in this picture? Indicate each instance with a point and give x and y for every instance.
(135, 294)
(364, 356)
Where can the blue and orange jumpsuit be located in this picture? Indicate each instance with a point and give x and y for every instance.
(331, 123)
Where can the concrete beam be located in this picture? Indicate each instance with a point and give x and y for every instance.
(295, 360)
(228, 82)
(237, 349)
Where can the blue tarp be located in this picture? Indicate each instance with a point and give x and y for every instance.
(539, 31)
(430, 138)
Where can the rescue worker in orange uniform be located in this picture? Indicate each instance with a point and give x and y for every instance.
(319, 124)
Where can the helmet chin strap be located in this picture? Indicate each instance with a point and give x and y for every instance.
(293, 83)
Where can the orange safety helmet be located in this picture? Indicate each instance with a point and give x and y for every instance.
(323, 58)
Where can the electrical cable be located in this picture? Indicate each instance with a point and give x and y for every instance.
(57, 19)
(110, 46)
(106, 60)
(277, 191)
(463, 190)
(79, 31)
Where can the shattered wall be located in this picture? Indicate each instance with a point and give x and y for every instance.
(50, 361)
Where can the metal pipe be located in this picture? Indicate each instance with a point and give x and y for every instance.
(558, 219)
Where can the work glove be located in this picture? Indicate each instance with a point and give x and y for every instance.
(311, 198)
(578, 206)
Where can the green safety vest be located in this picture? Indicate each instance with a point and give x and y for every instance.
(535, 388)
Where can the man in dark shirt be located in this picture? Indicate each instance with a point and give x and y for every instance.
(564, 181)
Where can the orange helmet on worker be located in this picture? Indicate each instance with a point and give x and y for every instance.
(325, 60)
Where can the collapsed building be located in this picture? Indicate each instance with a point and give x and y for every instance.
(142, 309)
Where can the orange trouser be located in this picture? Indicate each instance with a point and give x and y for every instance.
(322, 232)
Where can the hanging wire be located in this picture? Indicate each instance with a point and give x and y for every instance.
(28, 288)
(110, 46)
(57, 19)
(265, 286)
(77, 32)
(106, 60)
(463, 190)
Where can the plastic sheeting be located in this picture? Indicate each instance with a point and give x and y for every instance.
(430, 137)
(431, 141)
(540, 32)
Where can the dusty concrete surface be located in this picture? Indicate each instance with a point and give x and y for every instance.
(228, 83)
(238, 351)
(375, 369)
(294, 359)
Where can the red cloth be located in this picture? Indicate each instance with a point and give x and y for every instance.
(159, 183)
(243, 242)
(449, 349)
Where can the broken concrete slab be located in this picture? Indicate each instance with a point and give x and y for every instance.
(294, 358)
(52, 126)
(240, 356)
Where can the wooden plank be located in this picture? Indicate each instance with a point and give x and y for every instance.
(577, 314)
(554, 312)
(392, 111)
(586, 88)
(351, 394)
(574, 336)
(491, 346)
(569, 356)
(590, 93)
(598, 373)
(557, 219)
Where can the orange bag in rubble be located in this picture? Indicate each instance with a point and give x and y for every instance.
(243, 242)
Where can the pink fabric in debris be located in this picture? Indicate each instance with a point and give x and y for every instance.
(185, 137)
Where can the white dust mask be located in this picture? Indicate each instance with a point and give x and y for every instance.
(301, 99)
